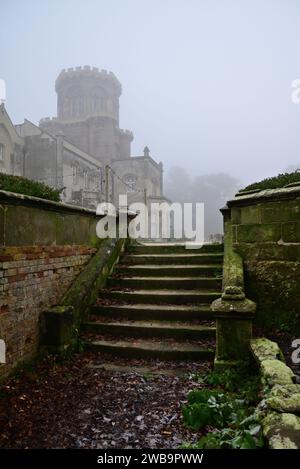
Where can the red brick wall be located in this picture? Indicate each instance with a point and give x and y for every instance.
(31, 279)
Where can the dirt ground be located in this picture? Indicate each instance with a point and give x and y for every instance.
(80, 404)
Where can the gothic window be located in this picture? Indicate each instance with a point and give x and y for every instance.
(74, 174)
(85, 179)
(99, 184)
(1, 152)
(66, 107)
(96, 180)
(154, 186)
(130, 181)
(109, 105)
(76, 107)
(12, 163)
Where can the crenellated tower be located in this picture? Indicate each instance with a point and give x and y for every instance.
(88, 113)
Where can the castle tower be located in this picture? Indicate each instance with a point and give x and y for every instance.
(88, 113)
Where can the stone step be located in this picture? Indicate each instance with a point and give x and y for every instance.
(158, 329)
(175, 248)
(161, 296)
(178, 259)
(154, 311)
(150, 283)
(150, 349)
(172, 270)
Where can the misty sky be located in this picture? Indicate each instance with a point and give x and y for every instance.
(206, 84)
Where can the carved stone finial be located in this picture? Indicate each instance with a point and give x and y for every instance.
(146, 151)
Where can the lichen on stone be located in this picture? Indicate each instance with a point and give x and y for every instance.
(282, 430)
(265, 349)
(276, 372)
(285, 398)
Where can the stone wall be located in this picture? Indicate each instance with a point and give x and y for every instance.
(43, 247)
(266, 233)
(280, 406)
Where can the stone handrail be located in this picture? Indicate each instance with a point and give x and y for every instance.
(233, 311)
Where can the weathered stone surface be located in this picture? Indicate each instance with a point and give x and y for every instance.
(57, 325)
(236, 216)
(274, 285)
(265, 349)
(233, 337)
(251, 215)
(234, 312)
(285, 398)
(291, 232)
(258, 233)
(265, 232)
(231, 308)
(282, 430)
(32, 221)
(280, 211)
(276, 372)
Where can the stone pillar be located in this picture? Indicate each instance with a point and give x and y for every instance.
(234, 316)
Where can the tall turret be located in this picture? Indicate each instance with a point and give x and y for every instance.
(84, 92)
(88, 112)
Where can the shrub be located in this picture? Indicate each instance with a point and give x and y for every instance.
(21, 185)
(275, 182)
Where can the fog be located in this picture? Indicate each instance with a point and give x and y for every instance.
(206, 84)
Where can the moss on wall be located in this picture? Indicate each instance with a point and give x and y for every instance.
(274, 285)
(266, 233)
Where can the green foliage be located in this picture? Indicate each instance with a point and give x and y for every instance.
(233, 380)
(227, 408)
(208, 408)
(246, 437)
(242, 380)
(234, 427)
(275, 182)
(21, 185)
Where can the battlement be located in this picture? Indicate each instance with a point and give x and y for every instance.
(47, 120)
(126, 133)
(87, 71)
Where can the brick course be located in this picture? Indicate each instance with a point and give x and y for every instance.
(33, 278)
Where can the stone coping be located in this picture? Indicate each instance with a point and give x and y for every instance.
(45, 204)
(266, 195)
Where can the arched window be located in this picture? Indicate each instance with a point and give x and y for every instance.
(85, 179)
(74, 174)
(1, 152)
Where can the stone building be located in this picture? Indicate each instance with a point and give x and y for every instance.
(88, 113)
(82, 149)
(88, 116)
(58, 163)
(11, 145)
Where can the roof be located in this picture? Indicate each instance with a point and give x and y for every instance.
(6, 120)
(67, 145)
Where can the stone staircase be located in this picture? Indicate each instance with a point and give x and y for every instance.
(157, 304)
